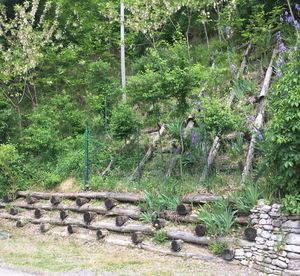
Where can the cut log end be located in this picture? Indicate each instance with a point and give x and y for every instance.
(137, 237)
(38, 213)
(200, 230)
(63, 214)
(159, 223)
(176, 245)
(101, 233)
(31, 200)
(44, 227)
(250, 233)
(88, 217)
(110, 203)
(7, 198)
(13, 211)
(121, 220)
(227, 254)
(80, 201)
(20, 224)
(183, 209)
(72, 229)
(55, 200)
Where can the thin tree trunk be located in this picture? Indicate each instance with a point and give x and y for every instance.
(217, 141)
(149, 153)
(259, 121)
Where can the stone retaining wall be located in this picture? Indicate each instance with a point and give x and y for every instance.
(276, 249)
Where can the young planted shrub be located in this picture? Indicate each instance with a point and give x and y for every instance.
(218, 217)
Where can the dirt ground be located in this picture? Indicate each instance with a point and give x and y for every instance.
(40, 254)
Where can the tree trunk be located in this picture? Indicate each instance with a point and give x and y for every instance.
(80, 201)
(38, 213)
(55, 200)
(183, 209)
(200, 198)
(110, 203)
(121, 220)
(149, 152)
(176, 245)
(200, 230)
(173, 216)
(123, 197)
(259, 121)
(132, 213)
(137, 237)
(250, 234)
(217, 141)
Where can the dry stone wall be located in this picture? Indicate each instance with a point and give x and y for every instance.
(276, 249)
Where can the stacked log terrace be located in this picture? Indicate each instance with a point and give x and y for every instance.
(106, 213)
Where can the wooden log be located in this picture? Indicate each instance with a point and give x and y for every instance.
(250, 233)
(110, 203)
(20, 223)
(31, 199)
(38, 213)
(173, 216)
(133, 213)
(149, 153)
(44, 227)
(63, 214)
(200, 230)
(176, 245)
(183, 209)
(88, 217)
(137, 237)
(101, 233)
(80, 201)
(259, 121)
(200, 198)
(191, 238)
(121, 220)
(159, 223)
(123, 197)
(242, 220)
(128, 228)
(13, 211)
(227, 254)
(55, 200)
(72, 229)
(7, 198)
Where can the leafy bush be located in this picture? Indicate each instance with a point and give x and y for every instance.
(123, 121)
(10, 169)
(284, 129)
(291, 204)
(218, 217)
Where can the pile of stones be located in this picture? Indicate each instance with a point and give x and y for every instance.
(276, 249)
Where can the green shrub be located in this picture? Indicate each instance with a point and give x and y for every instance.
(217, 247)
(11, 177)
(284, 129)
(291, 204)
(160, 237)
(218, 217)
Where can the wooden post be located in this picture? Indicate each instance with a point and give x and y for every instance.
(250, 233)
(80, 201)
(176, 245)
(200, 230)
(183, 209)
(55, 200)
(63, 214)
(137, 237)
(38, 213)
(110, 203)
(121, 220)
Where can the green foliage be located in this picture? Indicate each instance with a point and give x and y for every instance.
(10, 168)
(291, 204)
(245, 199)
(7, 121)
(217, 247)
(160, 237)
(284, 128)
(218, 217)
(217, 117)
(123, 121)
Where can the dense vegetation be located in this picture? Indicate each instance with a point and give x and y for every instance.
(59, 77)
